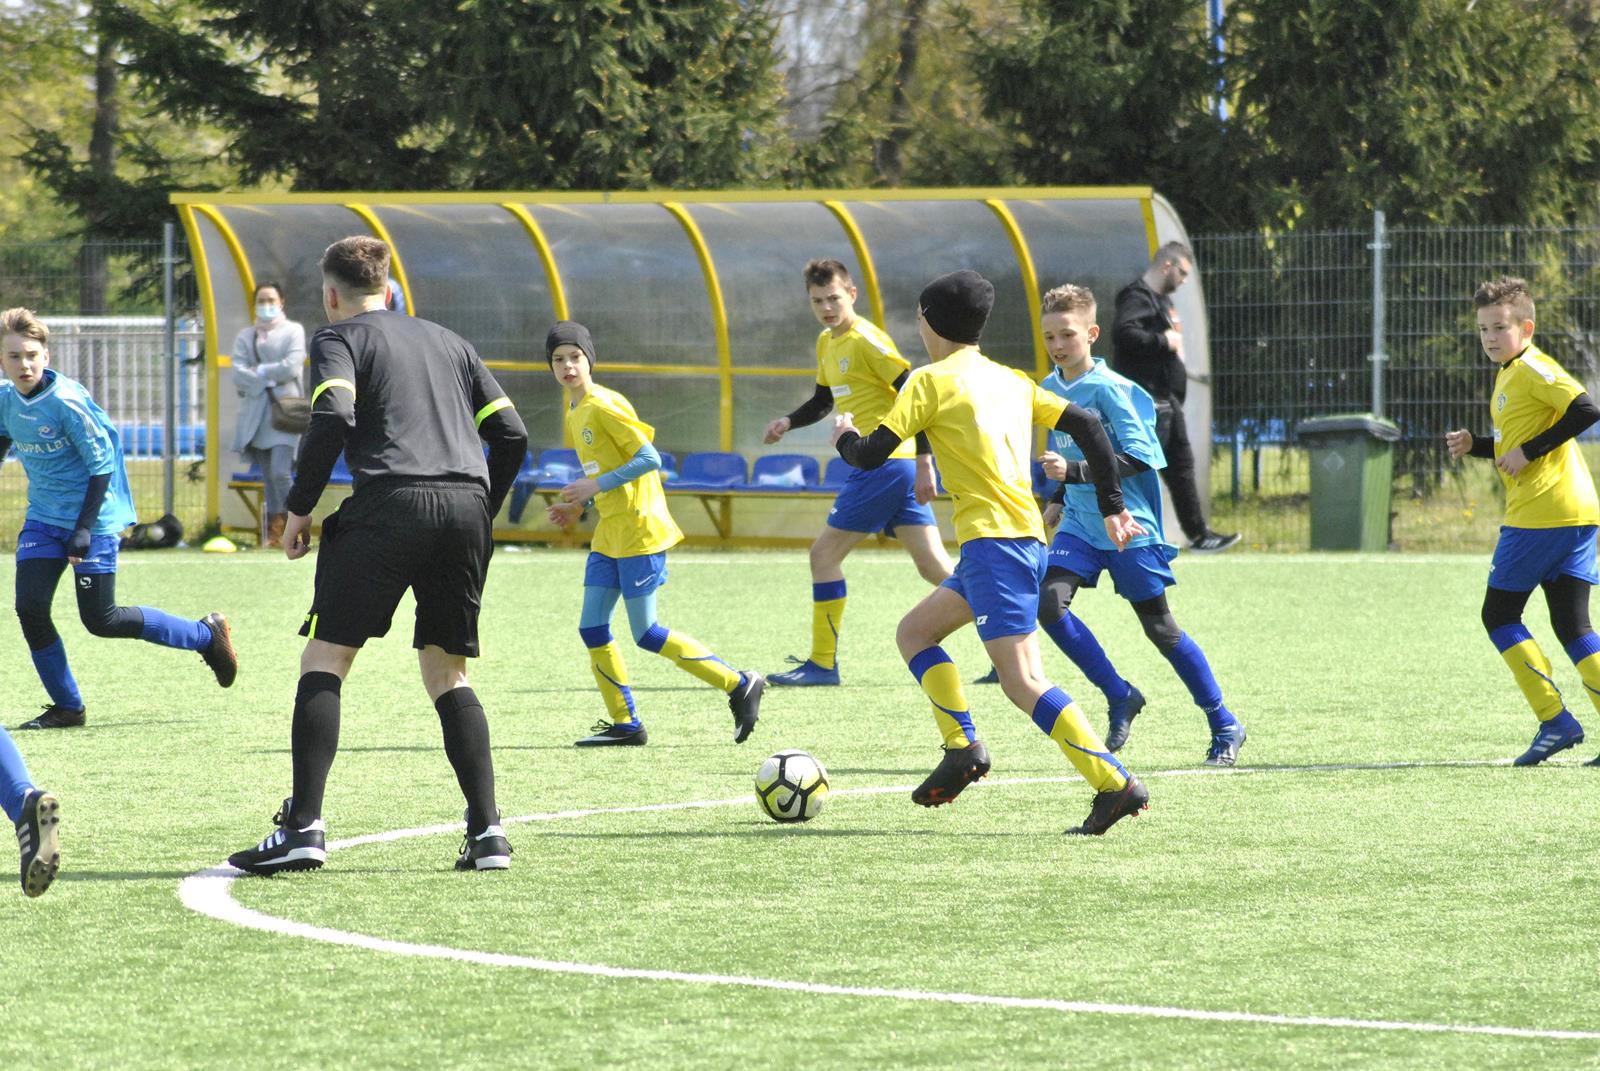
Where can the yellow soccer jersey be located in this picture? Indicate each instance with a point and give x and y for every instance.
(860, 368)
(979, 419)
(633, 518)
(1555, 491)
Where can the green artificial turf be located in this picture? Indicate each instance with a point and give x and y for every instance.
(1370, 859)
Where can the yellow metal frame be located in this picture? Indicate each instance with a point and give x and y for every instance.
(1030, 281)
(719, 322)
(380, 232)
(869, 274)
(552, 276)
(516, 203)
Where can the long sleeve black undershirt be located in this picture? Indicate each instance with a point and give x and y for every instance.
(1083, 426)
(820, 405)
(1078, 472)
(1580, 414)
(507, 438)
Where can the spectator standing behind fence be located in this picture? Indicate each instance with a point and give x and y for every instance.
(268, 357)
(1147, 347)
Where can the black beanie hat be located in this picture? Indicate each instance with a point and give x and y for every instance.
(568, 333)
(957, 305)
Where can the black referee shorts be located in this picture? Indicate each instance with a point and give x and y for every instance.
(432, 537)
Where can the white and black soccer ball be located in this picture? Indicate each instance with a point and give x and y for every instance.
(791, 786)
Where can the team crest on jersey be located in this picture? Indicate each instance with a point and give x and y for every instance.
(46, 431)
(1499, 402)
(588, 436)
(844, 364)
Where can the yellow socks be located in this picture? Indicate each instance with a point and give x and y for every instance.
(610, 675)
(941, 682)
(1062, 720)
(827, 612)
(1585, 654)
(1530, 668)
(691, 655)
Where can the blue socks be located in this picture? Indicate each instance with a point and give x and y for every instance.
(1195, 672)
(51, 662)
(1080, 645)
(14, 782)
(169, 631)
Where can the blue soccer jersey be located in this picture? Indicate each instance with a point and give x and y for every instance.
(62, 439)
(1128, 415)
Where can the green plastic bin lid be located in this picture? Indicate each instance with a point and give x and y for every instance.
(1345, 423)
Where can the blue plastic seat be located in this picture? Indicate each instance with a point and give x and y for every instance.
(669, 467)
(558, 467)
(837, 472)
(784, 472)
(711, 470)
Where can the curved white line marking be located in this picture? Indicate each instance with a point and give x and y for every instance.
(209, 893)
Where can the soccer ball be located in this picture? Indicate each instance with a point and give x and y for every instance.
(791, 786)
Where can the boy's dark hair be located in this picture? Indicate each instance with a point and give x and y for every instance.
(823, 272)
(268, 284)
(359, 264)
(1173, 251)
(21, 321)
(1506, 290)
(1068, 298)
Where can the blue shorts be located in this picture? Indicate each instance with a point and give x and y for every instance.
(1138, 573)
(39, 540)
(1000, 580)
(880, 499)
(1524, 558)
(635, 576)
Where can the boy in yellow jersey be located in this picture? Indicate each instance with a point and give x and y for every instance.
(1548, 538)
(628, 560)
(859, 370)
(979, 418)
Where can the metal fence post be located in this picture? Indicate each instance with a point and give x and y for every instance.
(1379, 244)
(169, 440)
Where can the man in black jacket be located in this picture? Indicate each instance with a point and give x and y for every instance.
(1147, 347)
(411, 406)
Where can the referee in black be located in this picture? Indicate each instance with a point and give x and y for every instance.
(407, 402)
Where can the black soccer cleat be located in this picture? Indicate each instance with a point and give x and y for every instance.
(56, 716)
(1594, 761)
(991, 677)
(745, 702)
(220, 655)
(959, 767)
(1122, 713)
(285, 848)
(1212, 542)
(36, 836)
(489, 850)
(1225, 745)
(607, 733)
(1111, 806)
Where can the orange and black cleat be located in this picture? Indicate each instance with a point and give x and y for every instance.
(959, 768)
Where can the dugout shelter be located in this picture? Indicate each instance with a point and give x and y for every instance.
(696, 304)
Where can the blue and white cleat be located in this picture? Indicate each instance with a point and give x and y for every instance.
(1122, 714)
(1553, 737)
(805, 674)
(1225, 744)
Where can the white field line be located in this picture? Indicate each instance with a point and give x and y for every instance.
(209, 893)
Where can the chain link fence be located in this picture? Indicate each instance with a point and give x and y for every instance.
(106, 308)
(1291, 322)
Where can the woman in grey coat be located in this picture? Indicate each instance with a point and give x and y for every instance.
(269, 355)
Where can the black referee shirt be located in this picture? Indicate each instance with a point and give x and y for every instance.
(402, 398)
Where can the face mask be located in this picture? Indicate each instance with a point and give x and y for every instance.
(266, 312)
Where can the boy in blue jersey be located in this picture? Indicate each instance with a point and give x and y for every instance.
(35, 814)
(1080, 551)
(78, 502)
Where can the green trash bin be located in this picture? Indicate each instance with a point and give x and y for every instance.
(1352, 472)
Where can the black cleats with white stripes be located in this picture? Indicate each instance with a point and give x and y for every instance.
(36, 836)
(56, 717)
(489, 850)
(285, 848)
(607, 733)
